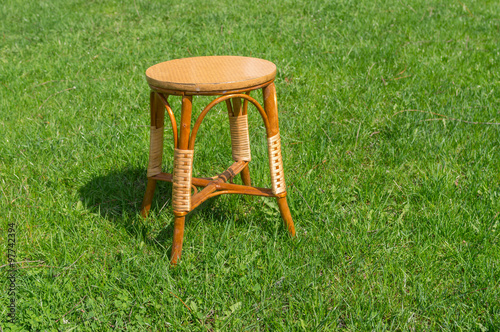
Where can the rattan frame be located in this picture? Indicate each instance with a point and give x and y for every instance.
(183, 201)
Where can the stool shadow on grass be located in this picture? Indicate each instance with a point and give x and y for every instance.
(117, 197)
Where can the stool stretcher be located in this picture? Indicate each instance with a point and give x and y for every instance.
(218, 185)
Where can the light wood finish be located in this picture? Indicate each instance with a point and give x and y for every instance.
(187, 104)
(157, 120)
(245, 176)
(183, 141)
(171, 115)
(231, 78)
(271, 106)
(229, 188)
(237, 108)
(212, 186)
(178, 239)
(210, 73)
(245, 173)
(214, 102)
(208, 93)
(286, 215)
(148, 197)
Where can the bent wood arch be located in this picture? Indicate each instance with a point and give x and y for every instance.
(170, 115)
(221, 99)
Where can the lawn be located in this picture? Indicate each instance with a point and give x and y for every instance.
(389, 116)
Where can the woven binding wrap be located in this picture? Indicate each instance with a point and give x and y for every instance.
(155, 151)
(181, 187)
(240, 141)
(276, 164)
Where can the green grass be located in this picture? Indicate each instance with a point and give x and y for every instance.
(397, 215)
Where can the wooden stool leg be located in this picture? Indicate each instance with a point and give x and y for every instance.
(155, 150)
(148, 198)
(178, 238)
(245, 176)
(275, 162)
(240, 141)
(286, 215)
(181, 208)
(245, 173)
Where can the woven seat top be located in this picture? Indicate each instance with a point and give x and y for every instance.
(210, 74)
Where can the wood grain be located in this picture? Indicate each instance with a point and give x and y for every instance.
(210, 73)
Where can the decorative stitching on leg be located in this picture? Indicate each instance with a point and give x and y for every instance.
(240, 141)
(276, 164)
(181, 185)
(155, 151)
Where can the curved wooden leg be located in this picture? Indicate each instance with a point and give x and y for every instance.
(148, 198)
(275, 162)
(178, 238)
(286, 215)
(155, 150)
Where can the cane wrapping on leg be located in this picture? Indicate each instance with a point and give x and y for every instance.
(181, 186)
(240, 141)
(276, 164)
(155, 151)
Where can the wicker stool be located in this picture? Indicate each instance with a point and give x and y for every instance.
(231, 78)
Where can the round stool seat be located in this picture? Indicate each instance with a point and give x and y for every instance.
(210, 74)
